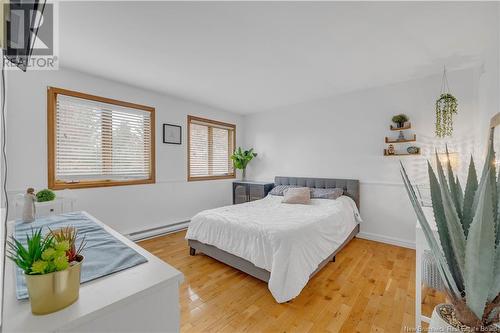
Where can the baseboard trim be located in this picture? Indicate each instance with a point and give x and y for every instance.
(386, 239)
(157, 231)
(171, 228)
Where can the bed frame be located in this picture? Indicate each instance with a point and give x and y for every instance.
(351, 189)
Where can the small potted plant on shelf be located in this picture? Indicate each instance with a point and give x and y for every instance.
(51, 267)
(468, 251)
(400, 120)
(242, 158)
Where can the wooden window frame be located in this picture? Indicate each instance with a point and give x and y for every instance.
(55, 184)
(214, 122)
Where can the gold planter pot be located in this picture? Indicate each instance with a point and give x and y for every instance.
(54, 291)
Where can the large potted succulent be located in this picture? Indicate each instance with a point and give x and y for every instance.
(467, 252)
(241, 158)
(51, 266)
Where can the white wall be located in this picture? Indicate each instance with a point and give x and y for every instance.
(343, 137)
(488, 82)
(125, 208)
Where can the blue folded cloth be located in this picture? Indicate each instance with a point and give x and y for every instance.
(104, 254)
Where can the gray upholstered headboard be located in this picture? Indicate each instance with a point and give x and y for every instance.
(350, 186)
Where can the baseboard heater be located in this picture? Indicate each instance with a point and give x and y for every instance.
(157, 231)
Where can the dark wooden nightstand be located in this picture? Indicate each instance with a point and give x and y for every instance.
(248, 190)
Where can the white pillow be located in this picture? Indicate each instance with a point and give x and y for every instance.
(280, 189)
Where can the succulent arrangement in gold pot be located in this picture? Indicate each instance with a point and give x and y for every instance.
(467, 251)
(51, 266)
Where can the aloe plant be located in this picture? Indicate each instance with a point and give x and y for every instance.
(468, 251)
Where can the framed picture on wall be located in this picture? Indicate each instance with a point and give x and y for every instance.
(172, 134)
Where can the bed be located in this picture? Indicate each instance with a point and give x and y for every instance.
(281, 244)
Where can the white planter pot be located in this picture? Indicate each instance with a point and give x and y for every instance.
(438, 323)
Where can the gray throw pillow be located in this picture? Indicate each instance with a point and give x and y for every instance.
(326, 193)
(279, 189)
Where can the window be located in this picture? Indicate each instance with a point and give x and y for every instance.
(210, 145)
(95, 141)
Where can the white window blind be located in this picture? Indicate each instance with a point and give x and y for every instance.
(211, 144)
(96, 141)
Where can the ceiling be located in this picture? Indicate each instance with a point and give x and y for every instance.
(250, 57)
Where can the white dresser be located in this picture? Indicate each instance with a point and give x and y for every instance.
(61, 204)
(144, 298)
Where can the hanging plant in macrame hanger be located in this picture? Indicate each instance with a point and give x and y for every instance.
(446, 107)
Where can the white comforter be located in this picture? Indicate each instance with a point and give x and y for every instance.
(288, 240)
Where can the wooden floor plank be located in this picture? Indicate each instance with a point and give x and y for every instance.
(370, 288)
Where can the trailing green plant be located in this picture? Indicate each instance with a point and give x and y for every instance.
(468, 251)
(45, 195)
(41, 255)
(446, 107)
(400, 119)
(241, 158)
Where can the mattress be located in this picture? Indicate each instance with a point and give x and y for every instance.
(289, 241)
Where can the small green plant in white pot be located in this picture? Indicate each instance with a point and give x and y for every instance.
(467, 252)
(241, 158)
(400, 120)
(45, 195)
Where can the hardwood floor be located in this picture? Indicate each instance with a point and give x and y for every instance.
(370, 288)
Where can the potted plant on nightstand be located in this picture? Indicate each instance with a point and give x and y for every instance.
(468, 251)
(51, 267)
(242, 158)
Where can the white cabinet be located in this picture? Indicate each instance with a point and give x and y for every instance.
(61, 204)
(144, 298)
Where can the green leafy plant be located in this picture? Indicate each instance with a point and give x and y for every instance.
(468, 252)
(241, 158)
(400, 119)
(41, 255)
(45, 195)
(446, 107)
